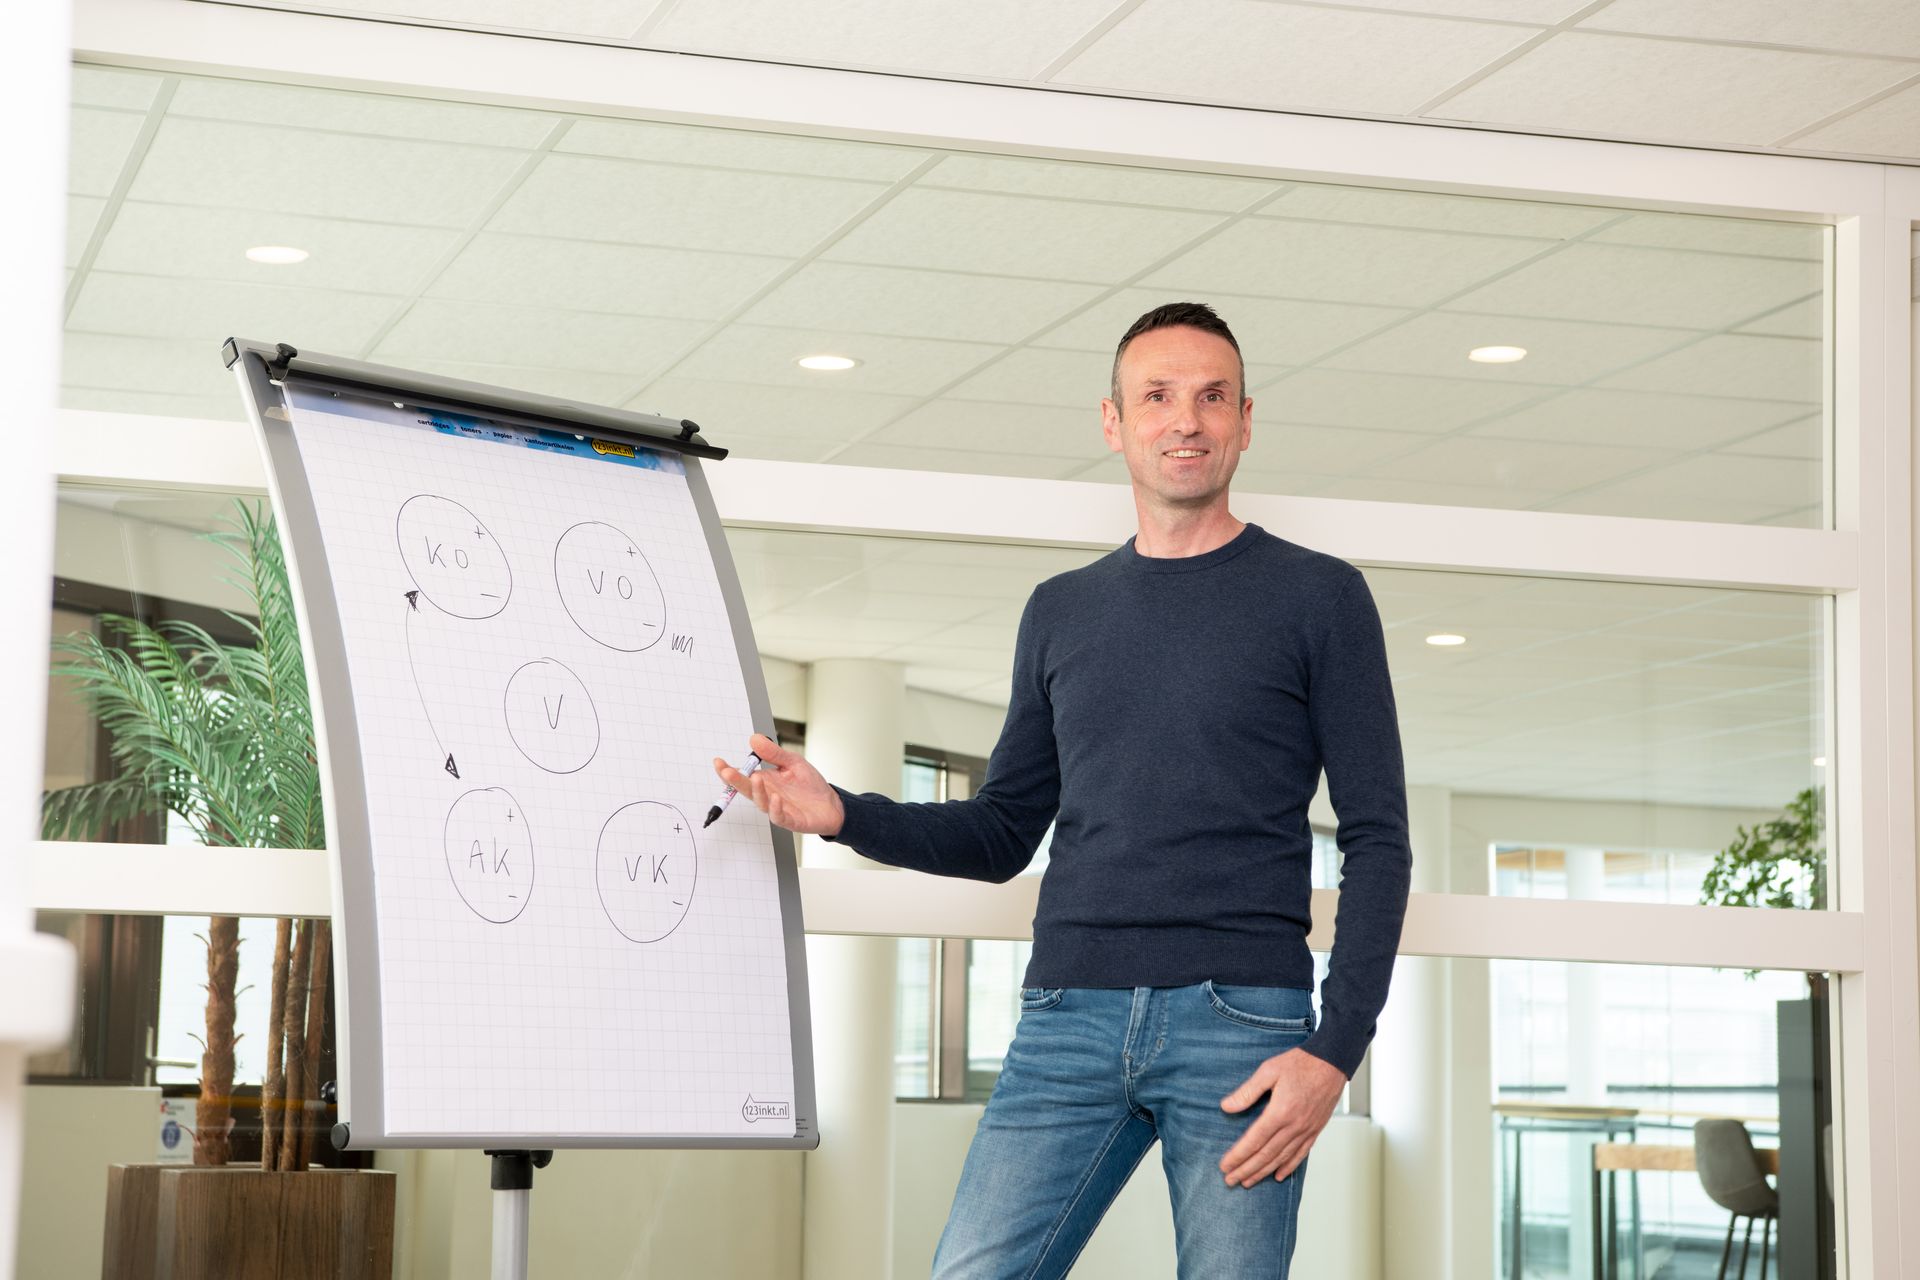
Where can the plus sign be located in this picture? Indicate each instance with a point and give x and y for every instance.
(630, 551)
(509, 815)
(676, 826)
(478, 532)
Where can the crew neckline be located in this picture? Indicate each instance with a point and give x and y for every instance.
(1189, 564)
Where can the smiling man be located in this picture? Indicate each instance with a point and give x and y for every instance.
(1173, 706)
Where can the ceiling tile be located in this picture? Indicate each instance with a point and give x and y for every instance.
(966, 461)
(585, 275)
(1641, 419)
(535, 337)
(342, 111)
(83, 215)
(327, 175)
(1558, 351)
(1017, 236)
(1008, 429)
(889, 366)
(225, 407)
(1889, 127)
(628, 202)
(606, 19)
(1374, 489)
(1806, 241)
(1623, 284)
(917, 304)
(1543, 12)
(212, 310)
(1390, 402)
(169, 367)
(1620, 86)
(174, 240)
(1428, 211)
(811, 414)
(1284, 448)
(1518, 464)
(1272, 330)
(1059, 180)
(994, 39)
(114, 87)
(98, 147)
(1857, 26)
(1806, 318)
(739, 149)
(1257, 53)
(1347, 264)
(1723, 487)
(568, 384)
(1805, 439)
(1068, 379)
(1776, 368)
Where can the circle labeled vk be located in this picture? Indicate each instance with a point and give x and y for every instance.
(646, 866)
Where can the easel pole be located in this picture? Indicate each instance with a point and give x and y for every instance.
(512, 1209)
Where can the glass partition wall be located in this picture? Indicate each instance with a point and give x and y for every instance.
(1606, 740)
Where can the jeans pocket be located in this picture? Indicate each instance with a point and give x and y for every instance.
(1260, 1007)
(1034, 999)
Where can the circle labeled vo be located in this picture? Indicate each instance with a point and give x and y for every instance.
(551, 717)
(646, 866)
(608, 588)
(489, 850)
(452, 557)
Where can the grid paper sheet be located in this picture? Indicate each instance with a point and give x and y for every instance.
(542, 668)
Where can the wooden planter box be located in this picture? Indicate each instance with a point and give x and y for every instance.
(184, 1222)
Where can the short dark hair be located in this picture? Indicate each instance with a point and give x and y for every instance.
(1178, 315)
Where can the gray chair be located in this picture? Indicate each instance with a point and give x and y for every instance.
(1731, 1173)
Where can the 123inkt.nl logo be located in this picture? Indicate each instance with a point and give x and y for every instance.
(754, 1109)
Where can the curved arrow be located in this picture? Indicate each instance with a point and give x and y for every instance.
(413, 607)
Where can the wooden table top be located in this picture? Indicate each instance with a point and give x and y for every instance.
(1671, 1159)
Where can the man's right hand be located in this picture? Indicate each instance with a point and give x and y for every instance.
(787, 789)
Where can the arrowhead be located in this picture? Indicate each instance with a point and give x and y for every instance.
(413, 600)
(451, 767)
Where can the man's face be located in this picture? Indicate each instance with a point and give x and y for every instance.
(1182, 420)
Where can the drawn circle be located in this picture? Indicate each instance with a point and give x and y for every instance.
(608, 588)
(551, 717)
(489, 851)
(646, 865)
(452, 557)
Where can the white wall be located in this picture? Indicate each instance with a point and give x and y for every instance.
(73, 1132)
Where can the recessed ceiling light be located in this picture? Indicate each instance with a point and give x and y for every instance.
(1497, 355)
(1445, 640)
(827, 364)
(1819, 762)
(276, 255)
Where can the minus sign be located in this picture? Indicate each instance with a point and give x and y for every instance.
(679, 904)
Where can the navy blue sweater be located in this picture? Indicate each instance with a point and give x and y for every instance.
(1172, 717)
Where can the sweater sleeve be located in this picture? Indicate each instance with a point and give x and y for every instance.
(992, 835)
(1350, 705)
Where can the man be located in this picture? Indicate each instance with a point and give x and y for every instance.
(1173, 706)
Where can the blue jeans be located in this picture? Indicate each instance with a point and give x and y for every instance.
(1093, 1078)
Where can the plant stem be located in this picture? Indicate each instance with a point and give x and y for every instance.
(273, 1091)
(316, 1029)
(296, 1037)
(214, 1116)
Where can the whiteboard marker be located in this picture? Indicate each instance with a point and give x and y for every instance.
(713, 814)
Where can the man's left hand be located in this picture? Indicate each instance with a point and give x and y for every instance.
(1305, 1092)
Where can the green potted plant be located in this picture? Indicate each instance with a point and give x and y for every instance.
(220, 737)
(1782, 864)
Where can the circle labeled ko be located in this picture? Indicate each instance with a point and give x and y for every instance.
(646, 866)
(490, 854)
(452, 557)
(608, 588)
(551, 717)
